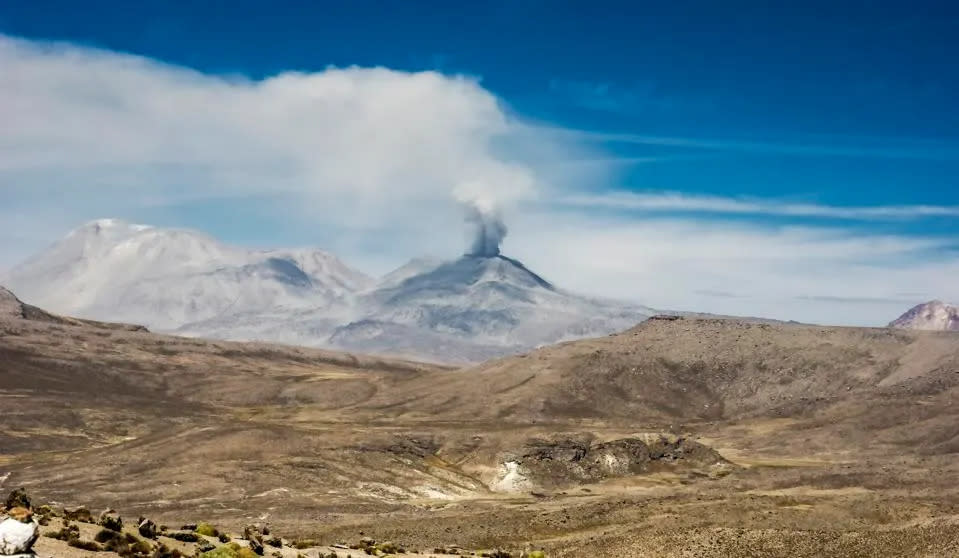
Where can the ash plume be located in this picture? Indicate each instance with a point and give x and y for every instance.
(488, 230)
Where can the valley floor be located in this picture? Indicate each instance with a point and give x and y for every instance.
(833, 441)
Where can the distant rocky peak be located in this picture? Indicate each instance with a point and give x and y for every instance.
(932, 315)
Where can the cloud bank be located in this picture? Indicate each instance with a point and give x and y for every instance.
(376, 165)
(356, 147)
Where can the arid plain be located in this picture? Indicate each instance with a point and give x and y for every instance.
(678, 438)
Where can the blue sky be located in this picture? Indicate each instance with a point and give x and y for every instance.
(752, 120)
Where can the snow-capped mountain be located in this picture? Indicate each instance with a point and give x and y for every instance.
(165, 278)
(469, 309)
(932, 315)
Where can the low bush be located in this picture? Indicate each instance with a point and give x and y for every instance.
(207, 530)
(231, 550)
(69, 531)
(84, 545)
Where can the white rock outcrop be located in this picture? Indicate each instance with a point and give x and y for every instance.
(17, 537)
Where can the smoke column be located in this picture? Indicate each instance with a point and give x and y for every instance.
(489, 230)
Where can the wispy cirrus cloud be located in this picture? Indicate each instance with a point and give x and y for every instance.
(678, 202)
(892, 148)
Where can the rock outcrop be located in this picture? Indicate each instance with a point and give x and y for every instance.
(147, 528)
(563, 461)
(254, 537)
(18, 497)
(111, 520)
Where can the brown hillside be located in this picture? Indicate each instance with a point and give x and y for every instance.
(694, 437)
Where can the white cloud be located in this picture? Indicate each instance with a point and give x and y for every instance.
(809, 274)
(371, 163)
(362, 144)
(673, 201)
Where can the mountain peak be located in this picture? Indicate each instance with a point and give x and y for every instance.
(471, 271)
(510, 269)
(932, 315)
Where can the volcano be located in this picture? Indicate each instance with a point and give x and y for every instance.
(478, 307)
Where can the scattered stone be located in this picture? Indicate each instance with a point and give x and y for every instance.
(184, 536)
(18, 533)
(110, 519)
(80, 514)
(18, 499)
(147, 528)
(204, 545)
(255, 537)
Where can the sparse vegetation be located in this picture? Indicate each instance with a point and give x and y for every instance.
(231, 550)
(124, 544)
(84, 545)
(67, 532)
(207, 530)
(819, 469)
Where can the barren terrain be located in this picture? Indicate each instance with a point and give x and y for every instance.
(688, 437)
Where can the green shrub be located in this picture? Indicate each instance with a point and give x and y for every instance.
(207, 530)
(231, 550)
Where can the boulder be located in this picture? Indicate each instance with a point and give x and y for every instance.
(203, 545)
(80, 514)
(147, 529)
(18, 499)
(184, 536)
(111, 520)
(254, 537)
(18, 533)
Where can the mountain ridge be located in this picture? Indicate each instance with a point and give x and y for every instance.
(477, 306)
